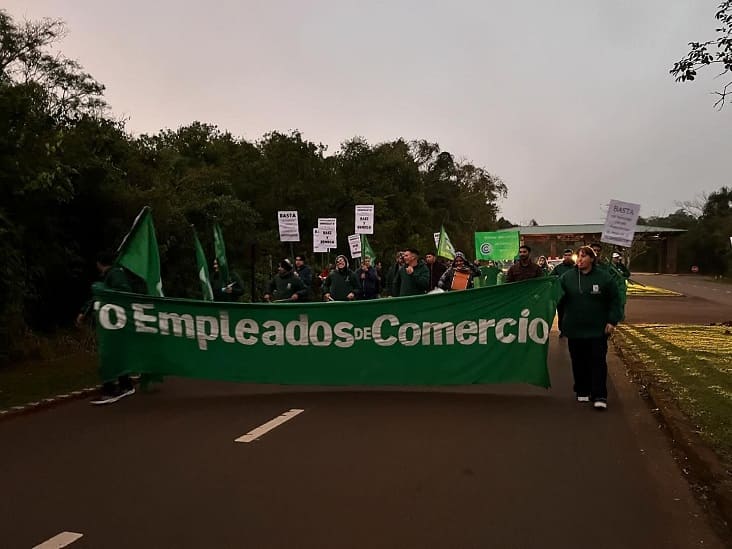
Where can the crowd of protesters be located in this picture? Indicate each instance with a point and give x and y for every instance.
(410, 274)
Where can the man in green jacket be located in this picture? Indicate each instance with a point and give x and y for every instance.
(413, 277)
(591, 311)
(567, 264)
(285, 286)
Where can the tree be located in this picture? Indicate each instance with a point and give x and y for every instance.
(712, 52)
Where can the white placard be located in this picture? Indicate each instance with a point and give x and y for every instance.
(327, 238)
(317, 246)
(730, 240)
(329, 223)
(289, 228)
(620, 223)
(365, 219)
(436, 236)
(354, 241)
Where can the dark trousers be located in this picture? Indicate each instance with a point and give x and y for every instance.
(589, 366)
(560, 316)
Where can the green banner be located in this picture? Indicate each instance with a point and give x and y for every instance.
(486, 335)
(498, 246)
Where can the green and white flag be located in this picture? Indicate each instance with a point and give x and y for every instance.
(139, 254)
(202, 267)
(220, 253)
(444, 247)
(367, 250)
(498, 245)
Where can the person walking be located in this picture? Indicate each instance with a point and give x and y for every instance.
(342, 283)
(114, 277)
(460, 275)
(226, 290)
(567, 264)
(368, 280)
(591, 312)
(285, 286)
(436, 268)
(413, 277)
(524, 268)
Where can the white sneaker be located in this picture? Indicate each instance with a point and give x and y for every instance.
(600, 405)
(582, 399)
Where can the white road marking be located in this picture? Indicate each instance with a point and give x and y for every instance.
(254, 434)
(61, 540)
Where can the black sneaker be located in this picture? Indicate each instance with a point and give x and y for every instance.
(600, 404)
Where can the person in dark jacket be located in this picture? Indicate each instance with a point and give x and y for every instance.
(392, 272)
(285, 286)
(591, 311)
(459, 265)
(617, 262)
(437, 269)
(413, 278)
(304, 273)
(342, 283)
(524, 268)
(368, 280)
(114, 277)
(567, 264)
(226, 290)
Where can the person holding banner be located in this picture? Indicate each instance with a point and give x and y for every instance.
(460, 275)
(229, 289)
(567, 264)
(285, 286)
(114, 277)
(342, 283)
(393, 272)
(591, 311)
(413, 278)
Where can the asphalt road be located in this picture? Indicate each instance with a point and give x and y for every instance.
(472, 467)
(704, 301)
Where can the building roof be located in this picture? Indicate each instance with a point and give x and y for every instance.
(591, 228)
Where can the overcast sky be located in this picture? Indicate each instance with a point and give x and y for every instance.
(570, 102)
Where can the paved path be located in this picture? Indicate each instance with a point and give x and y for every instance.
(704, 301)
(499, 466)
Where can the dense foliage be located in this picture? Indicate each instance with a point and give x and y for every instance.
(72, 180)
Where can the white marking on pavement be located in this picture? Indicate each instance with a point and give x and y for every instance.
(61, 540)
(271, 424)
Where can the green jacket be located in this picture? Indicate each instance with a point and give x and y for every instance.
(590, 301)
(282, 287)
(490, 275)
(218, 285)
(562, 268)
(340, 284)
(416, 283)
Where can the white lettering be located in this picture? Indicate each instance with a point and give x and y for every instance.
(465, 332)
(327, 334)
(207, 329)
(416, 333)
(276, 334)
(140, 318)
(120, 317)
(376, 330)
(500, 326)
(244, 327)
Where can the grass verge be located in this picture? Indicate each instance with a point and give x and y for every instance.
(67, 363)
(650, 291)
(693, 366)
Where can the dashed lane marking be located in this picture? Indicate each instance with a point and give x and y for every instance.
(254, 434)
(60, 540)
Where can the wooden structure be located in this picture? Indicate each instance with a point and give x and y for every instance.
(551, 240)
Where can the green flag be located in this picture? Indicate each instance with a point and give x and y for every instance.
(202, 267)
(498, 246)
(220, 253)
(444, 247)
(139, 254)
(367, 250)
